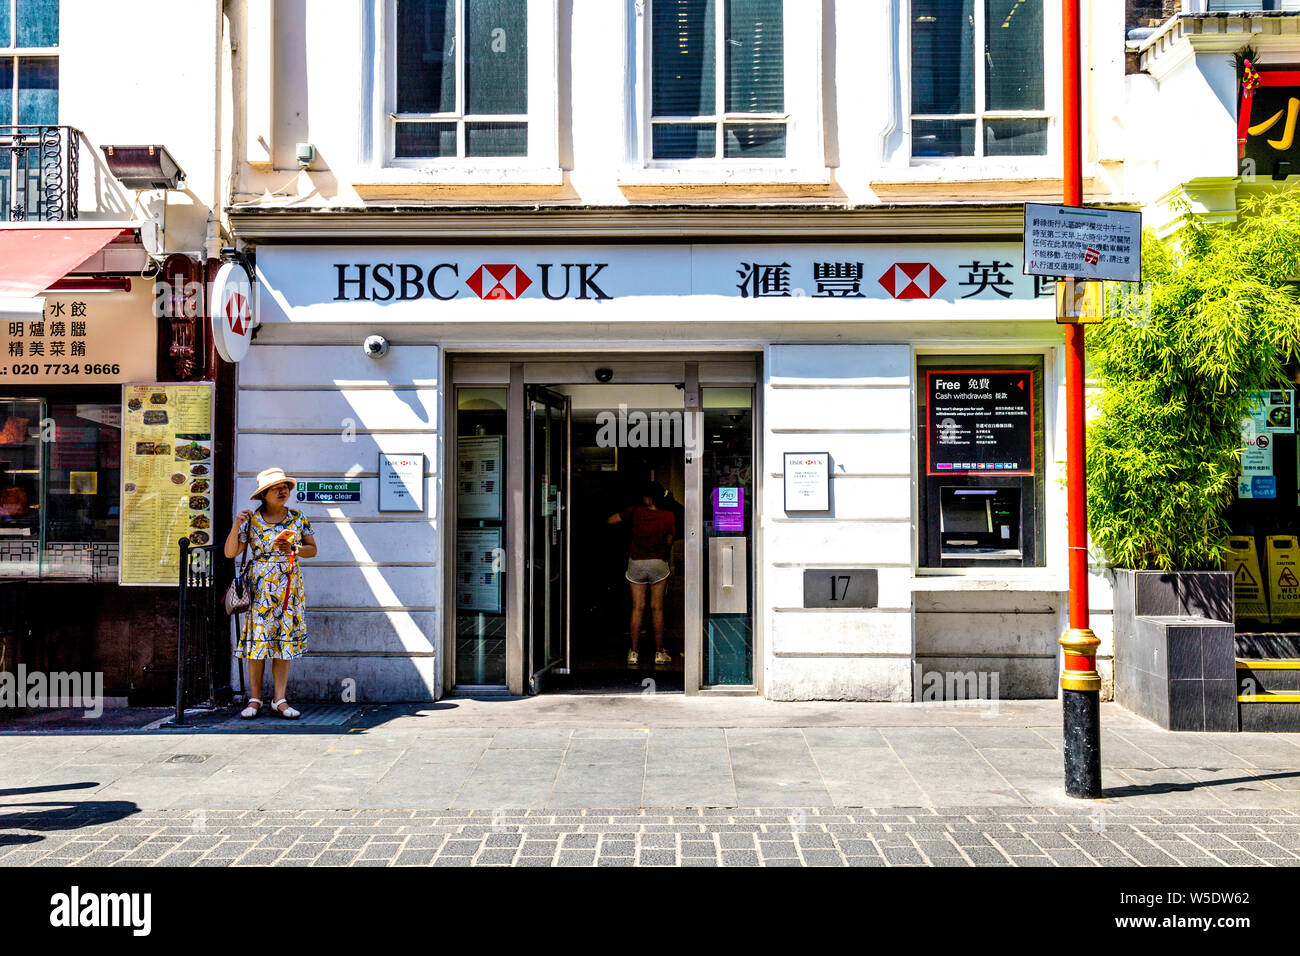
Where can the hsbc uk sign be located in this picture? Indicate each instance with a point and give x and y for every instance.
(405, 281)
(478, 282)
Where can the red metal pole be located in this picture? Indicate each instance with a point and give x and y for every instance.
(1080, 683)
(1072, 124)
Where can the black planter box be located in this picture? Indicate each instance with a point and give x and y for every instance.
(1175, 655)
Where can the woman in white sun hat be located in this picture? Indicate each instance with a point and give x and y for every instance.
(275, 626)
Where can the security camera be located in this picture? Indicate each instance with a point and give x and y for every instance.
(604, 374)
(376, 346)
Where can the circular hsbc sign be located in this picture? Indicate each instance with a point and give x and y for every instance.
(232, 312)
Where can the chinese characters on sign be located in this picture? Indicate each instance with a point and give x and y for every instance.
(980, 421)
(1273, 414)
(88, 338)
(1084, 243)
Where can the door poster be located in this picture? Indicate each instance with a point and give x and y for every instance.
(478, 477)
(479, 560)
(166, 478)
(1273, 414)
(979, 421)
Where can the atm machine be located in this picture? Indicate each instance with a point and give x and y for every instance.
(980, 524)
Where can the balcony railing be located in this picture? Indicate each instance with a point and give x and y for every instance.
(38, 173)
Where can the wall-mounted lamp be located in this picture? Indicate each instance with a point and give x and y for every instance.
(144, 167)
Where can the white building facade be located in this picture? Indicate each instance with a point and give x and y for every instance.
(489, 235)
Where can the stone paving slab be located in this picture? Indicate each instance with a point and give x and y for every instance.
(777, 836)
(413, 758)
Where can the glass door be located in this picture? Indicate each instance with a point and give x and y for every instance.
(728, 518)
(547, 497)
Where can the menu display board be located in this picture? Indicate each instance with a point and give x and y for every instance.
(81, 339)
(478, 477)
(979, 421)
(167, 478)
(478, 570)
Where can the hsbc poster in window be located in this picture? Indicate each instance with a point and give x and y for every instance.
(979, 422)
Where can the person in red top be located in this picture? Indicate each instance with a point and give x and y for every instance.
(648, 568)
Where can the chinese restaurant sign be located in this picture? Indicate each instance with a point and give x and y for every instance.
(431, 278)
(83, 338)
(167, 478)
(1266, 120)
(979, 422)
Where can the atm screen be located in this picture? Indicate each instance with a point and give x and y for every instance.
(968, 515)
(979, 523)
(968, 510)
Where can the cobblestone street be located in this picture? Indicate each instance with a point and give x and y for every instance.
(612, 837)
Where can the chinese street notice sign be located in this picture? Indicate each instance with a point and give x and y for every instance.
(1083, 243)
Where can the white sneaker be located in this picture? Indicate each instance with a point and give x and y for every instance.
(663, 657)
(632, 659)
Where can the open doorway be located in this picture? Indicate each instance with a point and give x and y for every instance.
(626, 441)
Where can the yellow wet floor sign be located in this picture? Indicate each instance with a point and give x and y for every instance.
(1283, 577)
(1243, 562)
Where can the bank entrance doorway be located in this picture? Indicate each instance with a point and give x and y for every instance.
(604, 530)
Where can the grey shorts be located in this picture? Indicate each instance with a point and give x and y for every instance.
(647, 570)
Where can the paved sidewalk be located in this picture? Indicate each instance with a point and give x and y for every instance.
(667, 837)
(482, 781)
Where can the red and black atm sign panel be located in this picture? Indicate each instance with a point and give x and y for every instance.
(979, 422)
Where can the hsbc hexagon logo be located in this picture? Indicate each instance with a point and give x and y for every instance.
(498, 281)
(912, 280)
(238, 314)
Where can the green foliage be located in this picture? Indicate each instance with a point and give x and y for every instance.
(1219, 321)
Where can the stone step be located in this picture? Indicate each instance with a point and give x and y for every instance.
(1268, 644)
(1270, 713)
(1256, 677)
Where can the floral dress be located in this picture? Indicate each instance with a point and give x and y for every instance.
(273, 628)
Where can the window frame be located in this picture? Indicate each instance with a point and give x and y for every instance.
(804, 158)
(11, 54)
(541, 117)
(1051, 98)
(719, 118)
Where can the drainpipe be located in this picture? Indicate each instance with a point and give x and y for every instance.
(212, 244)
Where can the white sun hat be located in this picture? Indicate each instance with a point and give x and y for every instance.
(272, 476)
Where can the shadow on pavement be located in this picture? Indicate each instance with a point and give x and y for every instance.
(47, 816)
(1142, 789)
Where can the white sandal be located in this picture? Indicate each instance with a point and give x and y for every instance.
(288, 713)
(249, 712)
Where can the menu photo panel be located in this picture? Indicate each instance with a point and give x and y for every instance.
(167, 478)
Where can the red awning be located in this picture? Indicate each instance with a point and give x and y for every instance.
(31, 258)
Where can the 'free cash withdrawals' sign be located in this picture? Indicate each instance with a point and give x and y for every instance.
(980, 421)
(1083, 242)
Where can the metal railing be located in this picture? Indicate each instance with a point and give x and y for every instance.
(38, 173)
(197, 609)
